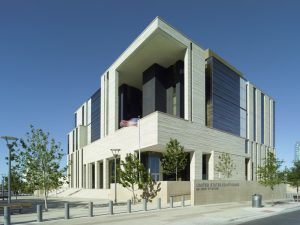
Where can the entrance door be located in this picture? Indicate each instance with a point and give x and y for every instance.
(153, 162)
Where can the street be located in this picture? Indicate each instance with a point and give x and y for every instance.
(291, 218)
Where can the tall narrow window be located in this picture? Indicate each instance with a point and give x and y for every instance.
(76, 138)
(273, 124)
(174, 101)
(95, 115)
(254, 114)
(262, 118)
(73, 137)
(68, 144)
(75, 120)
(107, 103)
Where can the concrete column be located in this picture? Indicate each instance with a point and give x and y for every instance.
(196, 165)
(249, 167)
(187, 84)
(80, 168)
(73, 171)
(105, 174)
(254, 160)
(198, 85)
(271, 123)
(113, 97)
(88, 175)
(106, 103)
(69, 170)
(76, 169)
(97, 175)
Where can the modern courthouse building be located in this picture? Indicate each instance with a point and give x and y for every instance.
(180, 90)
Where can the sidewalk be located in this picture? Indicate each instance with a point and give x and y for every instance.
(214, 214)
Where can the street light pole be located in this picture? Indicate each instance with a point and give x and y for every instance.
(3, 187)
(7, 138)
(9, 175)
(115, 153)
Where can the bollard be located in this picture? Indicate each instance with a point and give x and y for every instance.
(67, 211)
(171, 202)
(91, 209)
(159, 203)
(39, 213)
(145, 204)
(6, 215)
(129, 206)
(111, 207)
(182, 201)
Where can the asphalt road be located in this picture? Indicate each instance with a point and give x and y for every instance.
(290, 218)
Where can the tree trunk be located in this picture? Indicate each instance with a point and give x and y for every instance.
(272, 196)
(176, 173)
(133, 199)
(45, 199)
(297, 193)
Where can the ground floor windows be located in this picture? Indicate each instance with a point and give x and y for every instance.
(200, 166)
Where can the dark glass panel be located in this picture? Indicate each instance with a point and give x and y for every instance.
(95, 115)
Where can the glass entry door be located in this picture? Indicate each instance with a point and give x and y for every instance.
(153, 162)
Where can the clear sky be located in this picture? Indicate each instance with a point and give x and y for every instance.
(52, 54)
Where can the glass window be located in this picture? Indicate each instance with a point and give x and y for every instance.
(254, 114)
(82, 113)
(226, 100)
(95, 115)
(262, 118)
(174, 101)
(153, 161)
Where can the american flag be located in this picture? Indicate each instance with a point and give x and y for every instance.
(131, 122)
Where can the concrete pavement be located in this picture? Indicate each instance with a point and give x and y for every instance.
(214, 214)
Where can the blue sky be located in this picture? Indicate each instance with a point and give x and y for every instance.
(52, 54)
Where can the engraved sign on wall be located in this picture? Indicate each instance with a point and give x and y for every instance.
(215, 185)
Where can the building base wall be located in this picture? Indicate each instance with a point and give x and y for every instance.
(169, 189)
(221, 191)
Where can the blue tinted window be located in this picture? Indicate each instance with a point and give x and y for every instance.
(226, 100)
(95, 114)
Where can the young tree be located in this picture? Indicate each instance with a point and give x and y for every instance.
(39, 158)
(269, 174)
(293, 176)
(17, 183)
(149, 187)
(225, 165)
(174, 158)
(129, 174)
